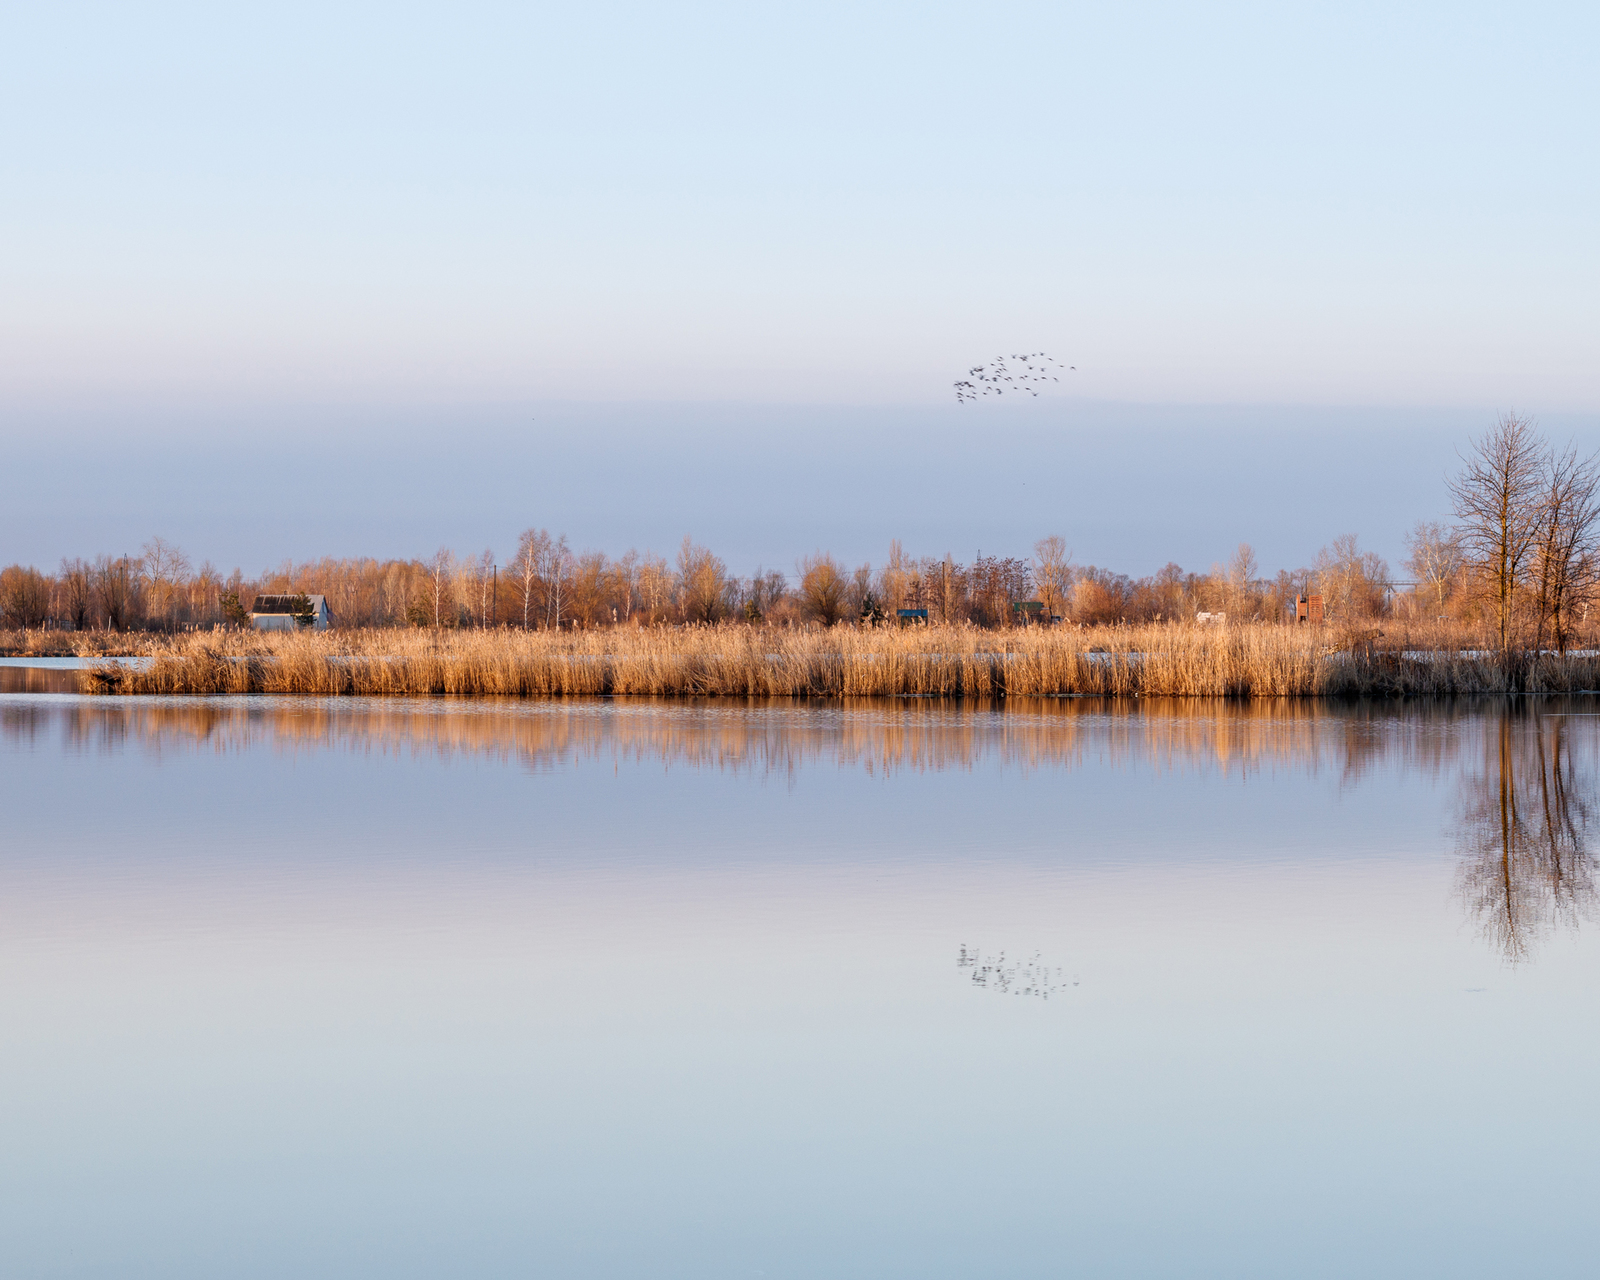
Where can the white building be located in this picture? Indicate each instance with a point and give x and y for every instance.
(277, 613)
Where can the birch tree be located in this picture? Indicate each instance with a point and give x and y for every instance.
(166, 568)
(441, 570)
(555, 562)
(1435, 557)
(524, 570)
(481, 569)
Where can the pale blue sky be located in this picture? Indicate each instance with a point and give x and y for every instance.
(695, 231)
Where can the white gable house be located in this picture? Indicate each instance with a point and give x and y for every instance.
(277, 613)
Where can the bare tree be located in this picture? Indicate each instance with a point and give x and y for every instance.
(166, 568)
(822, 588)
(1498, 501)
(894, 580)
(24, 597)
(1052, 573)
(764, 592)
(1435, 557)
(525, 568)
(702, 583)
(1242, 571)
(655, 587)
(481, 570)
(555, 563)
(440, 568)
(859, 593)
(1351, 580)
(945, 582)
(205, 592)
(625, 572)
(1566, 560)
(116, 590)
(77, 592)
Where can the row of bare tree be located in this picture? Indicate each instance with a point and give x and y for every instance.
(546, 585)
(158, 589)
(1521, 556)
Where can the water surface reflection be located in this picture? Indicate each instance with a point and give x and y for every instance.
(1523, 827)
(1524, 773)
(780, 736)
(596, 989)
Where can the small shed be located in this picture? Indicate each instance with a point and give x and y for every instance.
(277, 612)
(1308, 609)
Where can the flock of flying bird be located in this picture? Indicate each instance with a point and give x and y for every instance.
(1025, 373)
(1030, 977)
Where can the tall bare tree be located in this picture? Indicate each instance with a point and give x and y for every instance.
(1499, 501)
(554, 569)
(1052, 573)
(480, 575)
(1566, 559)
(894, 579)
(525, 568)
(626, 574)
(441, 570)
(1243, 569)
(946, 584)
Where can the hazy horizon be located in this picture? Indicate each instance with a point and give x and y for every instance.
(1129, 486)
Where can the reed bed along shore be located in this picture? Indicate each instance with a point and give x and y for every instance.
(1164, 660)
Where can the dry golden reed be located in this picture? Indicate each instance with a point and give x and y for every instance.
(1161, 660)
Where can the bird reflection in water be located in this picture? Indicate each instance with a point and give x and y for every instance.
(1029, 977)
(1523, 833)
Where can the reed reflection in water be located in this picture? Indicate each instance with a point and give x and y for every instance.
(1523, 807)
(766, 737)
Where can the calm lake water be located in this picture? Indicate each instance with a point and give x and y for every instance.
(313, 988)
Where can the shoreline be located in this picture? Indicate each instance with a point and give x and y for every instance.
(1244, 661)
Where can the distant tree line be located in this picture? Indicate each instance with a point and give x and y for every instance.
(545, 585)
(1520, 557)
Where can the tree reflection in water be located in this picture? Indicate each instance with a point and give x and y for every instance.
(1522, 815)
(1523, 833)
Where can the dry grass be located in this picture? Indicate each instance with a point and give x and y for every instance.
(1152, 661)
